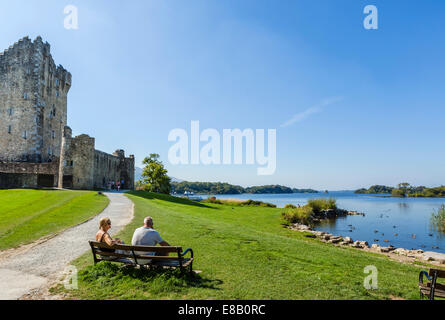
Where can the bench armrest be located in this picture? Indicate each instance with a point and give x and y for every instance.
(187, 251)
(423, 273)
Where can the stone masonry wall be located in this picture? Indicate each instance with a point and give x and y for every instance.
(33, 102)
(26, 175)
(82, 157)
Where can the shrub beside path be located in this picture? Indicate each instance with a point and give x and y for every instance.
(31, 269)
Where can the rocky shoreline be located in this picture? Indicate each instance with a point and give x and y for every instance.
(425, 256)
(334, 213)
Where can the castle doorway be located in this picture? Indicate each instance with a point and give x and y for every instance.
(68, 182)
(45, 180)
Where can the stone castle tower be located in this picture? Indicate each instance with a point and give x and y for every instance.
(33, 108)
(36, 145)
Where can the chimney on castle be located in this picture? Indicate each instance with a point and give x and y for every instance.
(119, 153)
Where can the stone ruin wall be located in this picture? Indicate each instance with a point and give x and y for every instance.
(106, 168)
(93, 169)
(113, 167)
(25, 175)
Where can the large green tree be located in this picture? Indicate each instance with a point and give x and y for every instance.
(154, 175)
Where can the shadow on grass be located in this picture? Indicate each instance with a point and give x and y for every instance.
(154, 280)
(166, 197)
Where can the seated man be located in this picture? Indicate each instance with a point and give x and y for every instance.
(147, 236)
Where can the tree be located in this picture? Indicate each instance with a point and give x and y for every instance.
(398, 193)
(404, 187)
(154, 175)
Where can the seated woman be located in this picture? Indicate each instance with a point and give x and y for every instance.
(103, 236)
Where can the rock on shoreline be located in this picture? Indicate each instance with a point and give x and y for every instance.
(334, 213)
(429, 256)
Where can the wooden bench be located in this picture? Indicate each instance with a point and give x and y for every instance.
(131, 255)
(432, 289)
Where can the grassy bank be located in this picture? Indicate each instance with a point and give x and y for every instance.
(243, 253)
(27, 215)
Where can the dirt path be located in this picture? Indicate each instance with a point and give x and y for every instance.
(28, 271)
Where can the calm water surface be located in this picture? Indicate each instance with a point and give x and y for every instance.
(404, 223)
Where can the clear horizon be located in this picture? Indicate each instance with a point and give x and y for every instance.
(352, 107)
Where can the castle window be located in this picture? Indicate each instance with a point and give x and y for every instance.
(53, 134)
(57, 93)
(10, 111)
(25, 96)
(69, 163)
(57, 82)
(9, 129)
(24, 135)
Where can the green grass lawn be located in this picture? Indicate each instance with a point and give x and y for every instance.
(27, 215)
(243, 253)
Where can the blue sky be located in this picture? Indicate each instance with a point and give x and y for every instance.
(352, 107)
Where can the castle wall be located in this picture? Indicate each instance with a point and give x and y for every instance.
(81, 162)
(28, 175)
(17, 180)
(94, 169)
(17, 111)
(113, 167)
(127, 169)
(106, 169)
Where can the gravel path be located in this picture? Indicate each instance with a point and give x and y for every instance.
(39, 265)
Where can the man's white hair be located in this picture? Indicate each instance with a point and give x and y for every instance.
(148, 221)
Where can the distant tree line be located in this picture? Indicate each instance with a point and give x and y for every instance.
(405, 190)
(375, 190)
(226, 188)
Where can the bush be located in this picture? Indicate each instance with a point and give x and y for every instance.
(258, 203)
(302, 215)
(318, 205)
(212, 200)
(398, 193)
(307, 213)
(239, 202)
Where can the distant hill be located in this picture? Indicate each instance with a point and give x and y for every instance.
(226, 188)
(375, 190)
(138, 175)
(406, 190)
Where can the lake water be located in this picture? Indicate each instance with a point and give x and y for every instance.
(397, 220)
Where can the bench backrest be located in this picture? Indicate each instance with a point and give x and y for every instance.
(134, 252)
(440, 273)
(101, 245)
